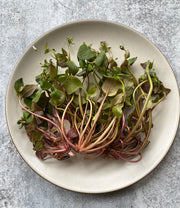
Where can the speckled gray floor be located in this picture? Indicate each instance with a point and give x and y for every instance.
(21, 22)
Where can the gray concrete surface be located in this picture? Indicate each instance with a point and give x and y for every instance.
(21, 22)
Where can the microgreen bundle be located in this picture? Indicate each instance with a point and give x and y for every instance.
(93, 108)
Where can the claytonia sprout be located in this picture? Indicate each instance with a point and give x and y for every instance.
(91, 108)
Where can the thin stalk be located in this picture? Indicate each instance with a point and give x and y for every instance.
(87, 88)
(144, 107)
(105, 145)
(134, 78)
(102, 129)
(59, 119)
(138, 107)
(75, 123)
(62, 109)
(132, 161)
(62, 123)
(97, 75)
(96, 80)
(102, 136)
(101, 140)
(88, 122)
(122, 128)
(84, 116)
(95, 156)
(145, 140)
(54, 138)
(123, 87)
(94, 123)
(134, 93)
(149, 131)
(53, 151)
(80, 103)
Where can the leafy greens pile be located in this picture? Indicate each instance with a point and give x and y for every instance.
(93, 108)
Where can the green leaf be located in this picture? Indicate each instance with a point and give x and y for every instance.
(46, 64)
(37, 96)
(26, 114)
(106, 106)
(81, 73)
(30, 128)
(26, 119)
(129, 86)
(100, 58)
(85, 53)
(61, 58)
(131, 60)
(82, 63)
(38, 79)
(43, 100)
(35, 107)
(117, 110)
(29, 119)
(62, 78)
(113, 65)
(45, 85)
(73, 69)
(111, 86)
(38, 146)
(70, 40)
(90, 67)
(52, 71)
(122, 47)
(92, 91)
(28, 101)
(127, 54)
(49, 108)
(104, 47)
(47, 50)
(18, 86)
(128, 101)
(28, 90)
(37, 136)
(105, 62)
(64, 52)
(76, 100)
(144, 65)
(71, 84)
(124, 67)
(118, 99)
(57, 97)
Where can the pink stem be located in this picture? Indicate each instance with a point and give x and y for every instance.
(48, 147)
(122, 128)
(41, 117)
(62, 124)
(95, 156)
(46, 134)
(94, 123)
(59, 119)
(132, 161)
(53, 151)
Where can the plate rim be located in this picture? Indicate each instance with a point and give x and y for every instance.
(90, 21)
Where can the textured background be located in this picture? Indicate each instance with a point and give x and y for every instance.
(21, 22)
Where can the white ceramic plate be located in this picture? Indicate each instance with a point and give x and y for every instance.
(98, 175)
